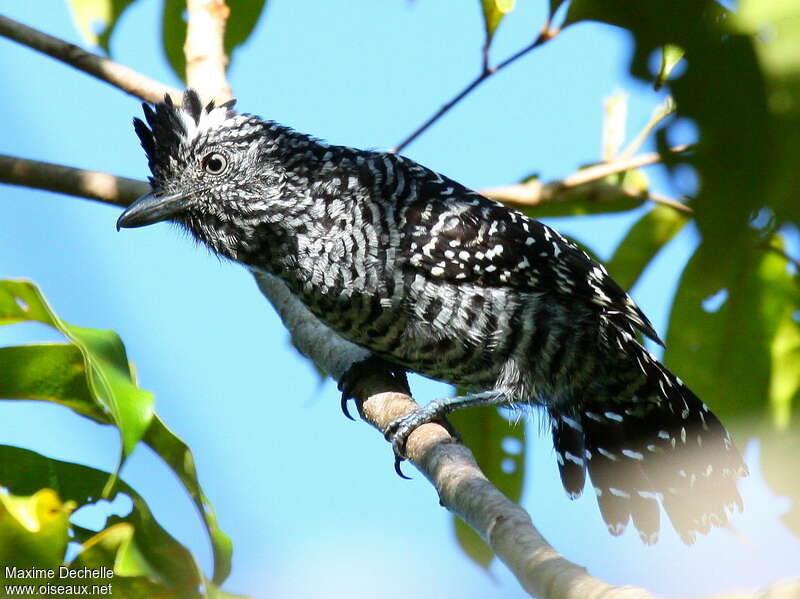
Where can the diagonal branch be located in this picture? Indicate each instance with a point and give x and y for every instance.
(535, 193)
(544, 36)
(103, 68)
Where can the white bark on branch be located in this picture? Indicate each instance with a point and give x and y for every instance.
(102, 68)
(206, 60)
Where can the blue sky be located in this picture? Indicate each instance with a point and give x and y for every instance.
(311, 499)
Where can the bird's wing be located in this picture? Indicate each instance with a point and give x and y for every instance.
(454, 234)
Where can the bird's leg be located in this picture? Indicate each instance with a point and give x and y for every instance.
(436, 411)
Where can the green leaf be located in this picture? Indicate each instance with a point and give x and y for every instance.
(743, 357)
(54, 372)
(775, 28)
(173, 35)
(96, 19)
(33, 530)
(243, 17)
(179, 458)
(493, 12)
(241, 22)
(725, 352)
(110, 377)
(57, 373)
(25, 472)
(670, 56)
(642, 242)
(499, 449)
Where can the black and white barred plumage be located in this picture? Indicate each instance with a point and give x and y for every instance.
(439, 280)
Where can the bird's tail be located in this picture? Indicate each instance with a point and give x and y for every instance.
(646, 439)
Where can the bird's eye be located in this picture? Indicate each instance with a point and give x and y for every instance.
(215, 163)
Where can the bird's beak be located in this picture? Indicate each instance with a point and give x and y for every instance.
(150, 209)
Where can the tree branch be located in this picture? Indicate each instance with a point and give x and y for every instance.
(589, 180)
(206, 60)
(544, 36)
(100, 67)
(93, 185)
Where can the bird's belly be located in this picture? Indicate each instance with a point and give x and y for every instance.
(444, 334)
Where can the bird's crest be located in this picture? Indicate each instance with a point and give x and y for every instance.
(170, 127)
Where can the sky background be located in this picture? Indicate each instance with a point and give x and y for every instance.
(309, 498)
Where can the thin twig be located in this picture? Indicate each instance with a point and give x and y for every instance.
(659, 114)
(601, 171)
(544, 36)
(100, 67)
(535, 193)
(93, 185)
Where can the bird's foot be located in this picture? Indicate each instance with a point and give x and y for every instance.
(399, 429)
(361, 369)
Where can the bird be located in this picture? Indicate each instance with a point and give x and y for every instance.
(436, 279)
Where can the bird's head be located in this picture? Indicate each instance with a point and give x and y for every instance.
(211, 171)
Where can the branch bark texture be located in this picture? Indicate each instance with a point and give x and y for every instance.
(102, 68)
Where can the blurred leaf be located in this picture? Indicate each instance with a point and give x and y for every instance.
(173, 35)
(493, 13)
(724, 351)
(499, 449)
(720, 63)
(109, 374)
(743, 357)
(775, 26)
(243, 17)
(25, 472)
(179, 458)
(785, 353)
(96, 19)
(642, 242)
(33, 529)
(670, 56)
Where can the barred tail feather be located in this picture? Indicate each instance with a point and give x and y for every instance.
(647, 439)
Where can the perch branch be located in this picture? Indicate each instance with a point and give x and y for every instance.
(100, 67)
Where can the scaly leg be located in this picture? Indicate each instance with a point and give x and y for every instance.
(398, 430)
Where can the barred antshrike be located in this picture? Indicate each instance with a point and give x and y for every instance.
(435, 278)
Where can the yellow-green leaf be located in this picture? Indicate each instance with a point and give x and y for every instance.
(33, 529)
(493, 13)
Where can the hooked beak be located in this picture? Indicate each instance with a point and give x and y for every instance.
(150, 209)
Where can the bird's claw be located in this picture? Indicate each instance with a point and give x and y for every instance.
(343, 404)
(358, 370)
(400, 429)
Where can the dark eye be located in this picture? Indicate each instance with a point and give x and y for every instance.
(215, 163)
